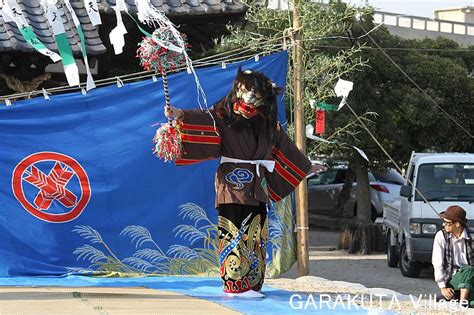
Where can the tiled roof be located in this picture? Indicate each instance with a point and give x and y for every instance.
(175, 8)
(12, 40)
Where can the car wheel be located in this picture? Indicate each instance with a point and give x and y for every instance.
(392, 255)
(408, 267)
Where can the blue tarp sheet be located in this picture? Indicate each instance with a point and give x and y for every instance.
(80, 190)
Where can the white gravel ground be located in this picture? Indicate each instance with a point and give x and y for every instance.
(339, 275)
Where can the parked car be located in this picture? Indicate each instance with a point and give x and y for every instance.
(324, 189)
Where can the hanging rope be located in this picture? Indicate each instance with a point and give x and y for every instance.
(417, 86)
(236, 55)
(361, 122)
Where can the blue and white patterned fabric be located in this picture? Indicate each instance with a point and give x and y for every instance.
(81, 192)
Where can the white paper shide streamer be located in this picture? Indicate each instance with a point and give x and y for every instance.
(55, 20)
(93, 12)
(343, 89)
(361, 152)
(12, 12)
(310, 134)
(116, 35)
(90, 80)
(148, 14)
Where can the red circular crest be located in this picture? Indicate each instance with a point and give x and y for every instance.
(51, 187)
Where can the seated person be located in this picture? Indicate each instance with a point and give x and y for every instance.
(453, 257)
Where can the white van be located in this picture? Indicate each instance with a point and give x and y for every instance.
(434, 181)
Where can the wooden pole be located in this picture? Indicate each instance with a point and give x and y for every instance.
(301, 190)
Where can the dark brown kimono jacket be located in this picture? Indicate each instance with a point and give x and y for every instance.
(239, 183)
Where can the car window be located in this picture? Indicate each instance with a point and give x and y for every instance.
(454, 182)
(372, 177)
(369, 175)
(340, 177)
(390, 176)
(332, 176)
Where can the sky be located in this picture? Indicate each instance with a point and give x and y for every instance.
(413, 7)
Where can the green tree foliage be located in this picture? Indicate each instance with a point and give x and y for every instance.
(408, 116)
(265, 30)
(404, 95)
(402, 116)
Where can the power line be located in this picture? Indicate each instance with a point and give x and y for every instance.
(388, 155)
(418, 87)
(234, 55)
(398, 48)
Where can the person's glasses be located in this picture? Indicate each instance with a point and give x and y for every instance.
(447, 222)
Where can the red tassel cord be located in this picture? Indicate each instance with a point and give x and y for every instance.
(168, 146)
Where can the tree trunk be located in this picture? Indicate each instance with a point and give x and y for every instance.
(345, 193)
(364, 207)
(362, 236)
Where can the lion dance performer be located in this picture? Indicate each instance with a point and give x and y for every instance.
(258, 162)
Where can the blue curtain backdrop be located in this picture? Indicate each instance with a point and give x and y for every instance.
(81, 191)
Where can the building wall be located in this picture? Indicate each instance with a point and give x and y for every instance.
(409, 33)
(463, 15)
(414, 27)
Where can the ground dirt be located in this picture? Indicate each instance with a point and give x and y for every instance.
(336, 272)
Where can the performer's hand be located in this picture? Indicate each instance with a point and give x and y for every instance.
(448, 293)
(171, 111)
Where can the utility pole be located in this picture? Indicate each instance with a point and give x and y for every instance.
(301, 190)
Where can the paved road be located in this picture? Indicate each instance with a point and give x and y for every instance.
(369, 270)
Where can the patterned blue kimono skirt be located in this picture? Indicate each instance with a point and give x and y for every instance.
(243, 237)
